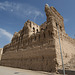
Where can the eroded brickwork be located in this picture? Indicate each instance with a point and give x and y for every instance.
(1, 51)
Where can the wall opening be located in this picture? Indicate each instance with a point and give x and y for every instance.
(37, 30)
(56, 24)
(49, 33)
(33, 29)
(60, 28)
(41, 28)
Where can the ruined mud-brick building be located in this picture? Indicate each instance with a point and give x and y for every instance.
(37, 47)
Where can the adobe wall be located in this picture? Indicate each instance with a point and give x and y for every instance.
(35, 58)
(68, 50)
(1, 51)
(36, 52)
(67, 43)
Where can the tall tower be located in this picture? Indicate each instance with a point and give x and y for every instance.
(54, 18)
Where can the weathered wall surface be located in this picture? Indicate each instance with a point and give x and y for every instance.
(68, 50)
(1, 51)
(67, 43)
(35, 58)
(36, 52)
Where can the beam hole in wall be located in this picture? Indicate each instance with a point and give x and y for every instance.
(56, 24)
(33, 29)
(49, 33)
(41, 28)
(44, 35)
(37, 30)
(60, 28)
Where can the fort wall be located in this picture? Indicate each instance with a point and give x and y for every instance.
(36, 58)
(68, 48)
(37, 47)
(35, 52)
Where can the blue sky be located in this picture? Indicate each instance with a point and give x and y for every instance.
(14, 13)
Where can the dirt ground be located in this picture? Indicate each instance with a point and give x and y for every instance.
(16, 71)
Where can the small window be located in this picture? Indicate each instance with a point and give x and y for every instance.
(60, 28)
(33, 29)
(37, 30)
(56, 24)
(41, 28)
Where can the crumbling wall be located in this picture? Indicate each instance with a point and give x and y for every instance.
(35, 57)
(68, 50)
(1, 52)
(36, 52)
(67, 43)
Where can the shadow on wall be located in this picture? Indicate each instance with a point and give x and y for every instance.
(68, 72)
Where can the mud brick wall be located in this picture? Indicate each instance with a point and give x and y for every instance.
(1, 51)
(68, 50)
(42, 59)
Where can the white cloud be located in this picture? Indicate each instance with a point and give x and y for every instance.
(20, 9)
(5, 34)
(37, 14)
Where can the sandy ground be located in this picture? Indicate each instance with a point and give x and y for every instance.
(16, 71)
